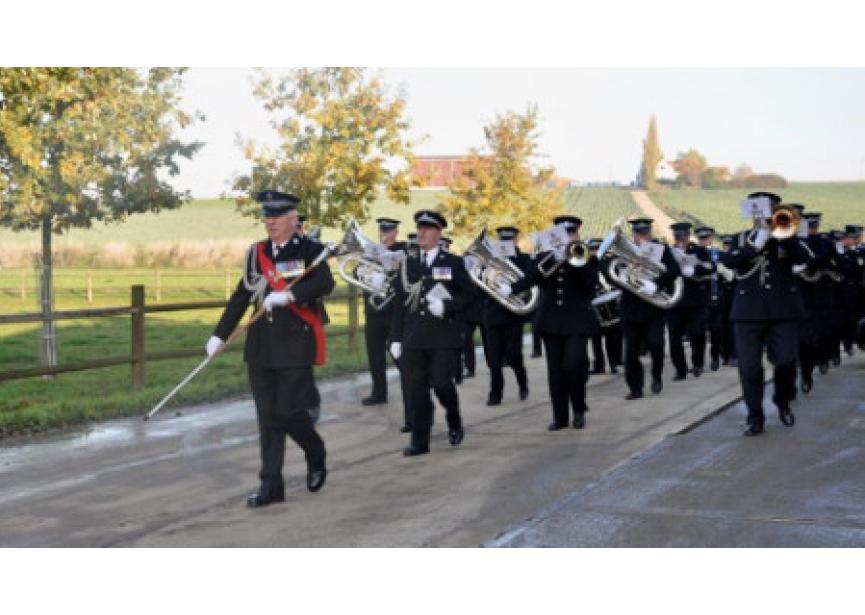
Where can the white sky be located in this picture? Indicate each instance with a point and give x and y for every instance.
(806, 124)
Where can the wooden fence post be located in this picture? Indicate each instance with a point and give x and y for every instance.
(137, 337)
(158, 285)
(89, 286)
(23, 284)
(352, 317)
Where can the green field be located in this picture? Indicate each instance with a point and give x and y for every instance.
(840, 202)
(599, 208)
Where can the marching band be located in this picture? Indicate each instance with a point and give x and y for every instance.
(782, 286)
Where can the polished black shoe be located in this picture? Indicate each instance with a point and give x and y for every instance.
(824, 368)
(556, 426)
(492, 400)
(458, 379)
(807, 384)
(634, 395)
(373, 400)
(455, 436)
(787, 417)
(524, 394)
(597, 370)
(657, 385)
(614, 370)
(315, 478)
(470, 373)
(412, 451)
(676, 378)
(836, 360)
(754, 429)
(714, 365)
(698, 371)
(579, 421)
(405, 429)
(260, 498)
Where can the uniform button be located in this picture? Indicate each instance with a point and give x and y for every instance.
(561, 291)
(768, 286)
(422, 313)
(559, 302)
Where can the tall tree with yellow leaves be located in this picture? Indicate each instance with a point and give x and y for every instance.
(343, 142)
(84, 144)
(503, 186)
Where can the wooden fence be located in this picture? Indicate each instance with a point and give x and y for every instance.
(138, 310)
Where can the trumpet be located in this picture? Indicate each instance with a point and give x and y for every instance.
(576, 255)
(784, 224)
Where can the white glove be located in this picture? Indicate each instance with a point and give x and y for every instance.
(647, 287)
(688, 271)
(214, 345)
(504, 289)
(279, 298)
(436, 307)
(839, 248)
(396, 349)
(761, 238)
(376, 280)
(797, 269)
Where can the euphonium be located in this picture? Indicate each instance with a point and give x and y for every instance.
(627, 269)
(352, 250)
(487, 270)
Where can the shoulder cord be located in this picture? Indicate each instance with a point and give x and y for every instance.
(253, 281)
(413, 290)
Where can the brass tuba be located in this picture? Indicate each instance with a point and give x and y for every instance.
(358, 269)
(487, 269)
(627, 268)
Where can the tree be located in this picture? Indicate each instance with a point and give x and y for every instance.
(690, 165)
(84, 144)
(343, 141)
(742, 171)
(652, 156)
(502, 188)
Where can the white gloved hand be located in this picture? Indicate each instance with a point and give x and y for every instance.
(839, 248)
(797, 269)
(688, 271)
(647, 287)
(376, 280)
(436, 307)
(214, 345)
(396, 349)
(761, 238)
(504, 289)
(278, 299)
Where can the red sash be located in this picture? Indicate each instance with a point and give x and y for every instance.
(276, 282)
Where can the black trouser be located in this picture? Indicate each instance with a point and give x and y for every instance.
(505, 343)
(641, 336)
(716, 333)
(567, 374)
(810, 336)
(468, 351)
(611, 337)
(781, 340)
(536, 337)
(425, 368)
(281, 399)
(405, 385)
(693, 322)
(375, 332)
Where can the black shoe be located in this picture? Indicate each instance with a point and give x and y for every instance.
(634, 395)
(726, 362)
(535, 355)
(315, 478)
(657, 385)
(470, 373)
(734, 362)
(824, 368)
(260, 498)
(849, 350)
(614, 370)
(787, 417)
(412, 451)
(524, 394)
(676, 378)
(556, 426)
(714, 365)
(492, 400)
(372, 400)
(698, 371)
(807, 384)
(579, 421)
(597, 370)
(405, 429)
(455, 436)
(836, 360)
(458, 379)
(754, 429)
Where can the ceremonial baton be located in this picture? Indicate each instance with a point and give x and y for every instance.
(258, 314)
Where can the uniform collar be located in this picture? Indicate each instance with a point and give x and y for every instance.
(431, 255)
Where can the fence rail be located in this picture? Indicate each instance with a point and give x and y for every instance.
(138, 310)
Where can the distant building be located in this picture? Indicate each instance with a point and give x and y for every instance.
(438, 172)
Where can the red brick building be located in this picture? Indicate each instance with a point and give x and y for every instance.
(437, 171)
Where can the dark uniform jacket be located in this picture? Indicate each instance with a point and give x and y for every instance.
(696, 293)
(386, 313)
(287, 341)
(415, 326)
(818, 295)
(766, 287)
(494, 313)
(635, 309)
(848, 265)
(565, 305)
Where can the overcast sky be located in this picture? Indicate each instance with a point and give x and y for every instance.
(806, 124)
